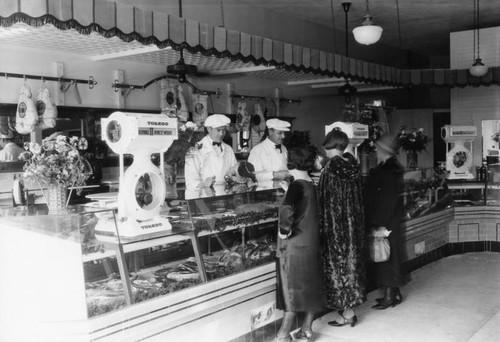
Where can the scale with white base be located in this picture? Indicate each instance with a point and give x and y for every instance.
(459, 157)
(142, 186)
(356, 132)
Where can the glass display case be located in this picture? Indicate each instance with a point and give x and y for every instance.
(44, 256)
(484, 190)
(428, 191)
(425, 192)
(213, 236)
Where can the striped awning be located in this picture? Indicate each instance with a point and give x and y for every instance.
(129, 23)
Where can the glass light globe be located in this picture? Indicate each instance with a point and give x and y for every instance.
(367, 33)
(478, 69)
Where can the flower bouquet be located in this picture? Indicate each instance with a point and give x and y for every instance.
(57, 163)
(412, 141)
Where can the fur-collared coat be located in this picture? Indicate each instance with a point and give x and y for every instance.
(342, 233)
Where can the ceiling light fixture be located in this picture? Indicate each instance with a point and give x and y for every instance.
(477, 69)
(367, 33)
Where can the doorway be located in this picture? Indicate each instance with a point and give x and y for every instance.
(440, 119)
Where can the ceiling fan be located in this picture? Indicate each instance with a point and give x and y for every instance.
(180, 69)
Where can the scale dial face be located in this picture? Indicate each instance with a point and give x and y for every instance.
(143, 190)
(459, 159)
(114, 131)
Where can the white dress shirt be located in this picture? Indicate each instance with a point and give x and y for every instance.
(207, 162)
(266, 159)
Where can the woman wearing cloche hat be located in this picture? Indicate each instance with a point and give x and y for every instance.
(383, 210)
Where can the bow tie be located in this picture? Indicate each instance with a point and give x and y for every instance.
(278, 147)
(218, 144)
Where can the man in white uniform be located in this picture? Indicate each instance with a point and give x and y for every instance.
(10, 151)
(211, 162)
(270, 157)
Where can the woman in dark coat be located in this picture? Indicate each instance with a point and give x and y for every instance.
(342, 230)
(383, 210)
(299, 271)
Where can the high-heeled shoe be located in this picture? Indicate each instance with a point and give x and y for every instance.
(384, 305)
(389, 299)
(304, 335)
(347, 321)
(398, 298)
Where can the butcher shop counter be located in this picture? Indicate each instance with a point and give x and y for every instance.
(69, 284)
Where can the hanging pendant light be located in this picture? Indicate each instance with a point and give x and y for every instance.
(477, 69)
(367, 33)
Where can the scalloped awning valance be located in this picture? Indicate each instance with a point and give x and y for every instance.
(129, 23)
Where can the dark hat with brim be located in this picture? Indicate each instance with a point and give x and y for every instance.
(247, 170)
(389, 144)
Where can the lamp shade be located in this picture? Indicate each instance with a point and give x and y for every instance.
(367, 33)
(478, 69)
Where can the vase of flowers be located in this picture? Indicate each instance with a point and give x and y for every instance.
(56, 165)
(412, 142)
(56, 196)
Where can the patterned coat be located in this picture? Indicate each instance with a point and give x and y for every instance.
(384, 208)
(342, 233)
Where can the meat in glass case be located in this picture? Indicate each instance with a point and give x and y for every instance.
(214, 234)
(236, 230)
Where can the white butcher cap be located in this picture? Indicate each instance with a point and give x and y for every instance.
(278, 125)
(217, 120)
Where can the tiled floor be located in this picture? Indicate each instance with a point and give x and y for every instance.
(455, 299)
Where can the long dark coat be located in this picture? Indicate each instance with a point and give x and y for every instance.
(299, 267)
(342, 233)
(384, 207)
